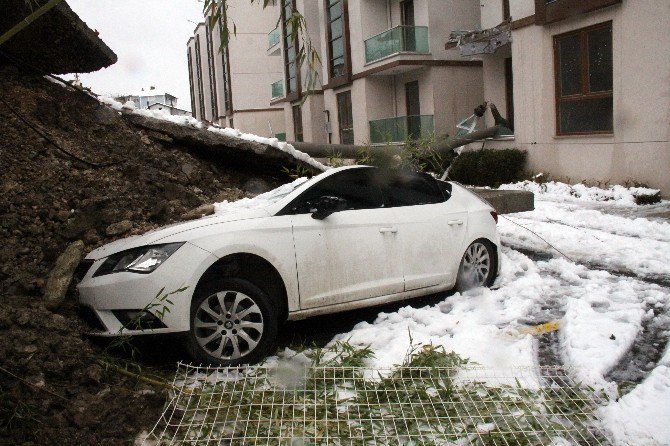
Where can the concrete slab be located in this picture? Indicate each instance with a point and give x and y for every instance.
(507, 201)
(59, 42)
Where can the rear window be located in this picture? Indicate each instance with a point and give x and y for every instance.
(412, 190)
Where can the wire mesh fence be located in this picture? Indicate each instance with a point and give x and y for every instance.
(466, 405)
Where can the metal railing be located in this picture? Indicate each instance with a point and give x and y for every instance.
(273, 37)
(278, 89)
(395, 40)
(401, 128)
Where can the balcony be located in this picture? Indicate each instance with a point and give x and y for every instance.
(278, 89)
(401, 129)
(273, 37)
(412, 39)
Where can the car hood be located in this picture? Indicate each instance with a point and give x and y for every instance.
(155, 236)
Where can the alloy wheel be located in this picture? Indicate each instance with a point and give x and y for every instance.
(228, 325)
(476, 264)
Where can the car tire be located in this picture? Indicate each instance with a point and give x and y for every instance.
(478, 267)
(243, 332)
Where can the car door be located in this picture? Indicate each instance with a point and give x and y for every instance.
(351, 254)
(430, 229)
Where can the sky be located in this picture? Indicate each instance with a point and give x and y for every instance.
(149, 37)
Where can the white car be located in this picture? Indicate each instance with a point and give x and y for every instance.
(348, 238)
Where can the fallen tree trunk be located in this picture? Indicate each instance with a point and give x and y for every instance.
(354, 152)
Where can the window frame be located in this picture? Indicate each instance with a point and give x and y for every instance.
(198, 68)
(346, 96)
(189, 56)
(584, 94)
(290, 95)
(296, 114)
(225, 64)
(345, 77)
(290, 208)
(212, 71)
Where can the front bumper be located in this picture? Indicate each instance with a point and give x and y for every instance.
(132, 291)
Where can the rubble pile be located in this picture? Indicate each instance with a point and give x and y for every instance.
(106, 179)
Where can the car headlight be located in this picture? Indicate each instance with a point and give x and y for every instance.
(141, 260)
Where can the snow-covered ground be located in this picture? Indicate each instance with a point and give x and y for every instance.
(609, 288)
(605, 278)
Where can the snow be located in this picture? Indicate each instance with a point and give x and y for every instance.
(164, 115)
(616, 195)
(642, 417)
(602, 299)
(259, 201)
(628, 245)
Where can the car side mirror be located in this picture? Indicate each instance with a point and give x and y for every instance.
(327, 205)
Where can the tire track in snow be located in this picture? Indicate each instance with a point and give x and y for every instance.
(645, 353)
(624, 254)
(640, 359)
(538, 255)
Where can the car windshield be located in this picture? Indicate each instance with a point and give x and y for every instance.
(260, 201)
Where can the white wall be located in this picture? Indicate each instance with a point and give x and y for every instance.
(638, 149)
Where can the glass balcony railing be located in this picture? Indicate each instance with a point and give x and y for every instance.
(273, 37)
(401, 129)
(396, 40)
(278, 89)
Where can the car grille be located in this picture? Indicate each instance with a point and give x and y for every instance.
(90, 318)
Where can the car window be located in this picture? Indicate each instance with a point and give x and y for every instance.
(446, 188)
(357, 186)
(411, 189)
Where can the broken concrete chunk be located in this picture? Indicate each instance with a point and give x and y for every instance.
(61, 275)
(119, 228)
(200, 211)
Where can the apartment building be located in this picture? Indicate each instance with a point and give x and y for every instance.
(585, 82)
(231, 86)
(385, 74)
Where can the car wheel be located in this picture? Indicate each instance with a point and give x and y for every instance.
(233, 322)
(478, 266)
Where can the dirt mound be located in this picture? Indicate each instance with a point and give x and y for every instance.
(53, 389)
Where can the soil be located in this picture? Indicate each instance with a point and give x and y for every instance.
(53, 388)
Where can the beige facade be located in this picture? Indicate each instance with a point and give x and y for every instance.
(232, 87)
(405, 45)
(636, 148)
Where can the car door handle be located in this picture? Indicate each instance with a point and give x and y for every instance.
(385, 230)
(455, 222)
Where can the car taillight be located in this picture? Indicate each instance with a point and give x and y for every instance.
(494, 214)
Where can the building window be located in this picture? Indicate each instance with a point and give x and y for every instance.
(297, 123)
(227, 96)
(190, 79)
(583, 74)
(345, 118)
(290, 47)
(336, 38)
(212, 74)
(198, 69)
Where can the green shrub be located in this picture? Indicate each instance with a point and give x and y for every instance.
(643, 199)
(488, 167)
